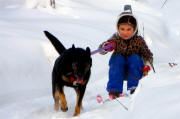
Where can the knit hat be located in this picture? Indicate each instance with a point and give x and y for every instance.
(127, 17)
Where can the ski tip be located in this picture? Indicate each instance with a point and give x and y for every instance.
(99, 98)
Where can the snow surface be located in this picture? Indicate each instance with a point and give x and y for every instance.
(27, 57)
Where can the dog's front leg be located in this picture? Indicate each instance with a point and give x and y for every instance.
(64, 106)
(80, 95)
(56, 99)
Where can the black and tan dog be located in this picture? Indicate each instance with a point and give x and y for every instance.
(72, 68)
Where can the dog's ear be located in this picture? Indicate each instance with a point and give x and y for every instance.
(88, 50)
(73, 46)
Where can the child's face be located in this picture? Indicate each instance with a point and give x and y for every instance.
(126, 31)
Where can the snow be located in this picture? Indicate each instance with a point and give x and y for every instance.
(27, 57)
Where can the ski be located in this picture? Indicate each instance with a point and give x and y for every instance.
(130, 97)
(101, 100)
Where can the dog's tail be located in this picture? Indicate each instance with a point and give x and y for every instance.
(56, 43)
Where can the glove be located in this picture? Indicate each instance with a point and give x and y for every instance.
(146, 69)
(111, 47)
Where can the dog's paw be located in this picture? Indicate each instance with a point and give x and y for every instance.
(56, 107)
(77, 110)
(64, 109)
(76, 114)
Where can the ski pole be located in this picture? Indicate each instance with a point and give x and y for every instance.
(164, 3)
(152, 67)
(122, 104)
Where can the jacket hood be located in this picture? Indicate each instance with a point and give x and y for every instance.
(127, 12)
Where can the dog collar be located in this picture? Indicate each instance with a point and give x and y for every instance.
(71, 79)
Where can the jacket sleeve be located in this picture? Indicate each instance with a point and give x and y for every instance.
(145, 51)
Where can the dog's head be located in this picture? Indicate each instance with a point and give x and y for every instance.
(81, 64)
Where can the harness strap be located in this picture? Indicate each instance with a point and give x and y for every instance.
(70, 80)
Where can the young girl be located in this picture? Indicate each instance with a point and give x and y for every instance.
(129, 57)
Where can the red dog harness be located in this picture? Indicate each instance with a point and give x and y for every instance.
(74, 80)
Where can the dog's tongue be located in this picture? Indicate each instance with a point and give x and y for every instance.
(79, 80)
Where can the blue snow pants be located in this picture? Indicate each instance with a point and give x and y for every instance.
(124, 69)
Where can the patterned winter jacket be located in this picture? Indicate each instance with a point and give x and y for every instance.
(136, 45)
